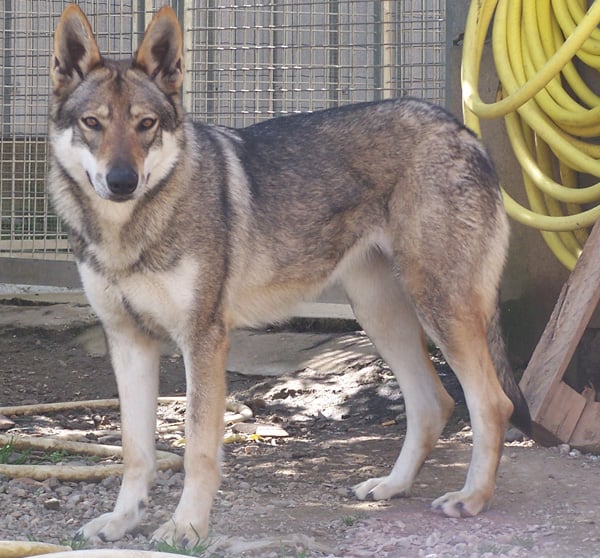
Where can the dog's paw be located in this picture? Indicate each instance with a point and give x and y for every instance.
(107, 527)
(460, 504)
(380, 488)
(180, 535)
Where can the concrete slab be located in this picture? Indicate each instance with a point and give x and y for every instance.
(252, 352)
(52, 316)
(259, 353)
(273, 354)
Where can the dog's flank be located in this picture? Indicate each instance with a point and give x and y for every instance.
(187, 230)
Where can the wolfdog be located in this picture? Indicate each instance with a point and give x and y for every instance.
(188, 230)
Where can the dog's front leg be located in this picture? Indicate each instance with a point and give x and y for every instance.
(135, 359)
(205, 361)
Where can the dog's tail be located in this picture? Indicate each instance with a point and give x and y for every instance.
(520, 417)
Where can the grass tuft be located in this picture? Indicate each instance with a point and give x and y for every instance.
(199, 548)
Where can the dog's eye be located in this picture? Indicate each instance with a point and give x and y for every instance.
(147, 123)
(91, 122)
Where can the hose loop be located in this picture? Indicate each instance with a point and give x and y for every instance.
(552, 116)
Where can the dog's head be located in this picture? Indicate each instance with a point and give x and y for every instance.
(113, 124)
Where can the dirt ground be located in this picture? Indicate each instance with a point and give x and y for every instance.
(287, 495)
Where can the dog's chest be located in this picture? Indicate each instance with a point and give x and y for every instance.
(159, 302)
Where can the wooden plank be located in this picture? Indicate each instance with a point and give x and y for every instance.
(586, 436)
(572, 312)
(563, 411)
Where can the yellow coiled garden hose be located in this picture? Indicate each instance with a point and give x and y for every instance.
(552, 115)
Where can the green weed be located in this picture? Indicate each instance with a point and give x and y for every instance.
(199, 548)
(76, 543)
(351, 520)
(299, 553)
(9, 455)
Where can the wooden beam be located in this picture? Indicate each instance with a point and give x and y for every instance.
(555, 408)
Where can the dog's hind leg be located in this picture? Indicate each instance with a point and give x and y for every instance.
(465, 347)
(388, 317)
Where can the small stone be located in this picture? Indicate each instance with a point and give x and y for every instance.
(110, 439)
(513, 435)
(564, 449)
(52, 483)
(343, 491)
(63, 490)
(74, 500)
(111, 482)
(52, 504)
(25, 483)
(20, 493)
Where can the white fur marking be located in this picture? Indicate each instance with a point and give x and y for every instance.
(167, 297)
(160, 160)
(79, 162)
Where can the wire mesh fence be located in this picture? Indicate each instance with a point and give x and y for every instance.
(246, 60)
(257, 60)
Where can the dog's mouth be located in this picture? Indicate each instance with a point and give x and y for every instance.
(119, 198)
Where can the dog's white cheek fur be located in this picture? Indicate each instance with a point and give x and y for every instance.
(160, 160)
(75, 159)
(79, 162)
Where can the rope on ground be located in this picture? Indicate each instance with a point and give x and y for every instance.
(235, 412)
(164, 460)
(20, 549)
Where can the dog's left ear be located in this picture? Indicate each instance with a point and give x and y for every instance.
(161, 53)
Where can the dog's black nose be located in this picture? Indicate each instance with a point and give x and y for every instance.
(122, 180)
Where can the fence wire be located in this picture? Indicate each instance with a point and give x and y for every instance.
(246, 60)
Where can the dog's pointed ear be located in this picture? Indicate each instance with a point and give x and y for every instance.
(161, 53)
(75, 50)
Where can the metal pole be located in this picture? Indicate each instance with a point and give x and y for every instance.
(6, 71)
(185, 17)
(387, 54)
(276, 74)
(334, 51)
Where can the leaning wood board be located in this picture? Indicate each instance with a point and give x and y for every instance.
(559, 413)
